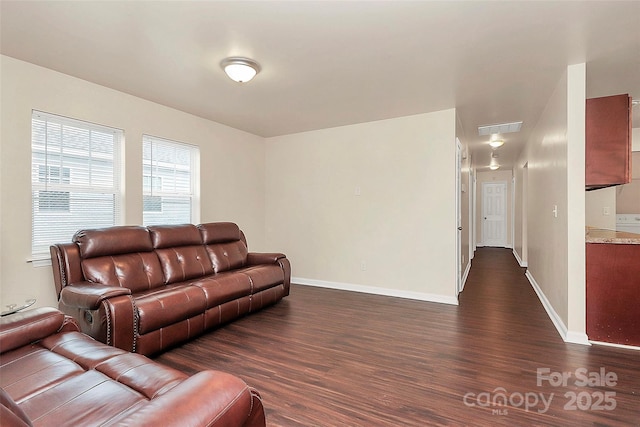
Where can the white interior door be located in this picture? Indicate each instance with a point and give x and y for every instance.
(494, 214)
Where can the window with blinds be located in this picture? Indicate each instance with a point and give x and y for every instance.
(75, 179)
(169, 181)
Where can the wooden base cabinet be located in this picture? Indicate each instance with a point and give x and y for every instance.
(613, 293)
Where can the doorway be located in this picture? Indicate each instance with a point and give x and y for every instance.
(494, 214)
(459, 282)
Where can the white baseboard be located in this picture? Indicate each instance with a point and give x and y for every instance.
(376, 290)
(577, 338)
(520, 262)
(628, 347)
(565, 334)
(465, 275)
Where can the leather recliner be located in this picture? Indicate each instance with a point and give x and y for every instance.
(53, 375)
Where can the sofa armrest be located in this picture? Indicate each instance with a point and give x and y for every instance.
(10, 413)
(114, 321)
(25, 327)
(257, 258)
(208, 398)
(89, 295)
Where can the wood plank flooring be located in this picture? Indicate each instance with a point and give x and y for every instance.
(324, 357)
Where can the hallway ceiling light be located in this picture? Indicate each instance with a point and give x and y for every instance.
(499, 128)
(493, 164)
(495, 143)
(240, 69)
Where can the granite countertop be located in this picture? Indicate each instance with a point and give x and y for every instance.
(598, 235)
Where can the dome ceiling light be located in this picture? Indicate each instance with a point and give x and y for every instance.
(240, 69)
(493, 164)
(495, 141)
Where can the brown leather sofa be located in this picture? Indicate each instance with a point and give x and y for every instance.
(144, 289)
(53, 375)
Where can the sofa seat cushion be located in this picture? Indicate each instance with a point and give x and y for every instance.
(263, 276)
(167, 305)
(32, 368)
(224, 287)
(70, 402)
(49, 385)
(141, 374)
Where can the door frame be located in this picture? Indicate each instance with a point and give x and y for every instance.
(458, 216)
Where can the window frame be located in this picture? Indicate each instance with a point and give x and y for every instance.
(79, 154)
(163, 181)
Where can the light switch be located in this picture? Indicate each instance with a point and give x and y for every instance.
(605, 210)
(555, 211)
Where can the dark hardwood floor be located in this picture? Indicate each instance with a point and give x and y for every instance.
(324, 357)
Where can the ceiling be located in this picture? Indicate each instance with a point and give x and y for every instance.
(333, 63)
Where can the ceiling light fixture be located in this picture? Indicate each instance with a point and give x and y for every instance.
(240, 69)
(493, 164)
(495, 143)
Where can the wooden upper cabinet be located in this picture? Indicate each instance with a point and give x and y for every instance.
(608, 141)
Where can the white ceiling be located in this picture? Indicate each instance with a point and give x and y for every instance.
(332, 63)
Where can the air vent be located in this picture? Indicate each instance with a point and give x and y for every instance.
(499, 128)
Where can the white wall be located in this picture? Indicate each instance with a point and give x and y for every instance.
(402, 226)
(546, 153)
(596, 201)
(232, 164)
(555, 177)
(576, 216)
(628, 195)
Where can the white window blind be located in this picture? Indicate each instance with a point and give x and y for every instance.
(75, 179)
(169, 182)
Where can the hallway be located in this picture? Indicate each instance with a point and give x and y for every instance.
(501, 310)
(324, 357)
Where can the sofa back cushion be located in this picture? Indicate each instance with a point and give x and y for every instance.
(112, 241)
(225, 245)
(180, 251)
(138, 271)
(119, 256)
